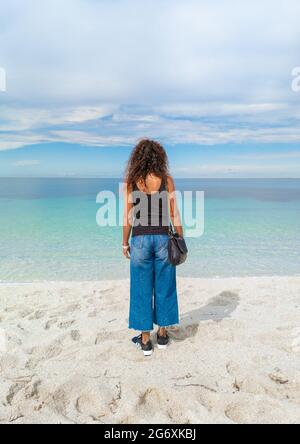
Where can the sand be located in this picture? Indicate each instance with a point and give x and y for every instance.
(66, 355)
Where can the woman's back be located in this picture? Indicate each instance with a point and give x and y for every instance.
(151, 185)
(151, 206)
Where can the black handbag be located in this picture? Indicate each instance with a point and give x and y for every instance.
(177, 248)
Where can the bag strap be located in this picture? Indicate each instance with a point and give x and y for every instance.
(172, 231)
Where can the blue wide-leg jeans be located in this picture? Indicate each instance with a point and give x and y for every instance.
(153, 294)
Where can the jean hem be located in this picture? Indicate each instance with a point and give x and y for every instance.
(141, 329)
(163, 325)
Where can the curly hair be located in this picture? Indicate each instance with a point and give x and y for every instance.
(148, 157)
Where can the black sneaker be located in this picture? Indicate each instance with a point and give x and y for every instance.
(163, 341)
(146, 348)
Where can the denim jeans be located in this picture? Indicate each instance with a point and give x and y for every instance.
(153, 298)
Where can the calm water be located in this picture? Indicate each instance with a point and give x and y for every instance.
(48, 230)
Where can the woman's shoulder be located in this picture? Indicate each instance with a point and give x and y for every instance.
(128, 187)
(170, 182)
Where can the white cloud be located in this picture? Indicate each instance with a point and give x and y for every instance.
(13, 141)
(192, 72)
(116, 126)
(220, 109)
(136, 50)
(20, 119)
(26, 163)
(85, 138)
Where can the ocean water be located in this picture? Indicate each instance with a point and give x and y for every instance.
(48, 230)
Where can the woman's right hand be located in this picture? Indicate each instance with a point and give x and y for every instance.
(126, 251)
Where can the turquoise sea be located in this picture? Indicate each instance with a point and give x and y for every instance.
(48, 230)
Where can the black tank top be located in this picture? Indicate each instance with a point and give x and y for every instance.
(151, 212)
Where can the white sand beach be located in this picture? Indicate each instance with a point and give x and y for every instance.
(234, 359)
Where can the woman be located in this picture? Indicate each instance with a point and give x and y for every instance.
(149, 204)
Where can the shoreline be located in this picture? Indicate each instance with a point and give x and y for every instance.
(101, 281)
(233, 359)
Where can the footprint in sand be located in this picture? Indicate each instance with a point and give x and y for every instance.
(108, 336)
(245, 382)
(66, 325)
(50, 323)
(8, 363)
(84, 400)
(41, 354)
(75, 335)
(26, 384)
(150, 401)
(32, 390)
(182, 333)
(283, 338)
(25, 313)
(259, 411)
(67, 310)
(13, 391)
(154, 403)
(37, 315)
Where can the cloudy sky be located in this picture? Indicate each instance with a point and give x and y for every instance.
(211, 79)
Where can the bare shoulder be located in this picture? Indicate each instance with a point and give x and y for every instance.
(171, 183)
(127, 187)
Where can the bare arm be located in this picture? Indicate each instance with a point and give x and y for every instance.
(174, 211)
(127, 223)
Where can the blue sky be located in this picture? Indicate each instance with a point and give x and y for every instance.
(210, 79)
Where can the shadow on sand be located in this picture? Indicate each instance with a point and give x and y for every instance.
(218, 308)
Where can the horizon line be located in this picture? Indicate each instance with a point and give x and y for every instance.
(119, 178)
